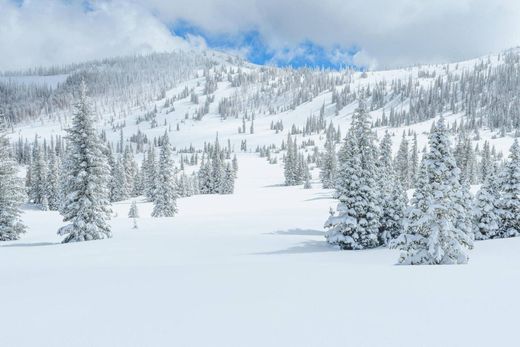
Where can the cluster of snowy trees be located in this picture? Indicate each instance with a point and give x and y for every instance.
(216, 175)
(81, 175)
(296, 169)
(113, 83)
(46, 162)
(497, 206)
(366, 211)
(442, 219)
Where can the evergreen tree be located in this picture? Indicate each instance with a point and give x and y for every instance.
(486, 208)
(38, 189)
(392, 195)
(356, 223)
(129, 173)
(53, 179)
(229, 180)
(414, 160)
(217, 169)
(510, 201)
(12, 193)
(329, 166)
(165, 203)
(86, 205)
(438, 229)
(119, 185)
(113, 184)
(150, 173)
(486, 164)
(204, 177)
(133, 211)
(402, 163)
(307, 176)
(290, 163)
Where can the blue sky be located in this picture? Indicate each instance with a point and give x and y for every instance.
(256, 50)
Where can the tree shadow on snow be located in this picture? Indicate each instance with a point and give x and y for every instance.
(278, 185)
(35, 244)
(301, 232)
(321, 196)
(311, 246)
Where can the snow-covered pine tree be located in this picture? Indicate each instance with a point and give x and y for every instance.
(133, 212)
(195, 184)
(53, 179)
(38, 189)
(129, 172)
(204, 177)
(229, 180)
(119, 186)
(86, 205)
(307, 178)
(355, 225)
(329, 165)
(438, 230)
(12, 193)
(510, 188)
(150, 173)
(402, 163)
(486, 164)
(290, 162)
(113, 183)
(414, 160)
(217, 169)
(486, 210)
(392, 195)
(165, 202)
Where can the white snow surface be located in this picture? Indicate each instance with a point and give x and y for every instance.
(249, 269)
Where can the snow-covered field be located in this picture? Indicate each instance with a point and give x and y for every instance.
(249, 269)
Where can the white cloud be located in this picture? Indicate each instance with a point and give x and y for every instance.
(390, 33)
(396, 32)
(44, 32)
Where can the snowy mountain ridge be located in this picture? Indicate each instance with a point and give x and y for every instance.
(214, 92)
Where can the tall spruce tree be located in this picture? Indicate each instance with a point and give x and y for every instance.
(12, 193)
(402, 163)
(150, 173)
(486, 164)
(87, 205)
(165, 200)
(486, 210)
(217, 169)
(329, 165)
(290, 163)
(438, 230)
(392, 195)
(510, 201)
(355, 225)
(38, 189)
(129, 172)
(52, 184)
(414, 160)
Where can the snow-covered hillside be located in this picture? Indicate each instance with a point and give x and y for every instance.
(216, 93)
(251, 268)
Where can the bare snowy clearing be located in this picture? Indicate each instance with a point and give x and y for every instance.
(249, 269)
